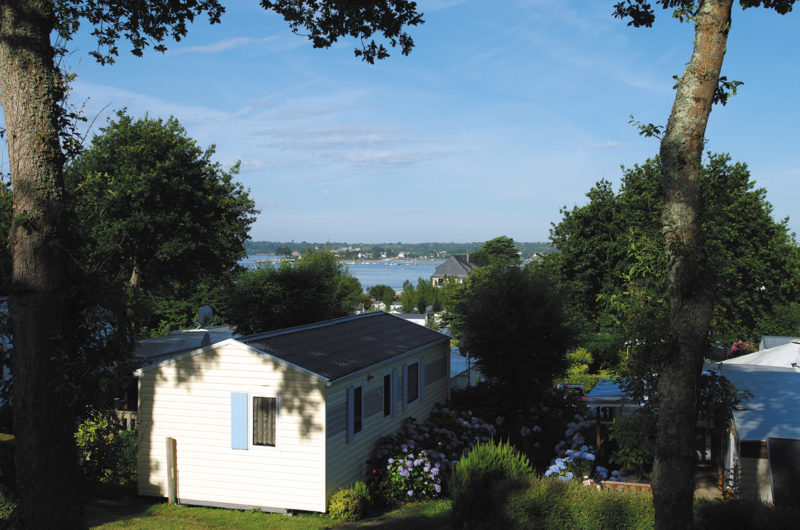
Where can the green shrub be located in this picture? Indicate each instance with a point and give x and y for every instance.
(548, 503)
(580, 356)
(8, 505)
(108, 450)
(362, 489)
(635, 439)
(349, 504)
(483, 478)
(736, 514)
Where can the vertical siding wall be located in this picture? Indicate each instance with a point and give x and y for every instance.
(190, 401)
(347, 461)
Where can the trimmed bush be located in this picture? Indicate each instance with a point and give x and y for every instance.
(742, 514)
(349, 504)
(484, 478)
(548, 503)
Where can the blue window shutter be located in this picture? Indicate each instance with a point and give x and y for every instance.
(238, 420)
(421, 379)
(394, 391)
(405, 386)
(350, 412)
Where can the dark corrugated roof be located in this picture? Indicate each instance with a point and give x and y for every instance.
(336, 348)
(457, 265)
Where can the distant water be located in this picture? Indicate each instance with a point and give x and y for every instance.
(390, 272)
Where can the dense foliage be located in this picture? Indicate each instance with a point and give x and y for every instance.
(108, 451)
(512, 321)
(498, 251)
(483, 478)
(315, 287)
(382, 293)
(414, 463)
(151, 210)
(551, 504)
(613, 257)
(418, 299)
(349, 504)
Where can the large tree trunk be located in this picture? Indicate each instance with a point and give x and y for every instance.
(691, 299)
(30, 91)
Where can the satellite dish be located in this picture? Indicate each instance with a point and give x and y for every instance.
(204, 316)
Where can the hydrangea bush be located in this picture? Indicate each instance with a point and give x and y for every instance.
(413, 463)
(533, 428)
(414, 474)
(575, 459)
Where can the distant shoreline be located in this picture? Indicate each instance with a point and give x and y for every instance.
(267, 258)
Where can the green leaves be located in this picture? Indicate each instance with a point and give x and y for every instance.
(150, 209)
(316, 287)
(513, 322)
(324, 23)
(498, 251)
(612, 253)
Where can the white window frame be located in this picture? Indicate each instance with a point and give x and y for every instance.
(250, 398)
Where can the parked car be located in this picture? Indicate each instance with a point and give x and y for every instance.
(571, 391)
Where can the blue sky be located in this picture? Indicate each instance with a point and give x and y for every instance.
(503, 113)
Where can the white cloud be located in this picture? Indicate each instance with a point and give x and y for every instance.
(607, 145)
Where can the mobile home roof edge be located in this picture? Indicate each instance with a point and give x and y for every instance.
(231, 341)
(305, 327)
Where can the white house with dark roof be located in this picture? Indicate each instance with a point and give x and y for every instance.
(456, 268)
(280, 420)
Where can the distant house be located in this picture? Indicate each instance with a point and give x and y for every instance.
(280, 420)
(456, 268)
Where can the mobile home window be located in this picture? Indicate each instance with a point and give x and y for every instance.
(265, 411)
(413, 382)
(387, 395)
(357, 412)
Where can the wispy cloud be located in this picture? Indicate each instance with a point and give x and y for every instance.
(297, 113)
(366, 158)
(435, 5)
(224, 45)
(328, 137)
(607, 145)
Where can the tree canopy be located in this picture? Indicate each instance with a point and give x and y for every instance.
(498, 251)
(610, 249)
(149, 206)
(150, 210)
(315, 287)
(512, 321)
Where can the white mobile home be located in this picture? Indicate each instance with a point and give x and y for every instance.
(280, 420)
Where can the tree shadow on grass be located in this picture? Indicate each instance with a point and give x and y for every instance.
(428, 515)
(99, 512)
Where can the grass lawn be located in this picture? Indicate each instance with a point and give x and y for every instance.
(142, 513)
